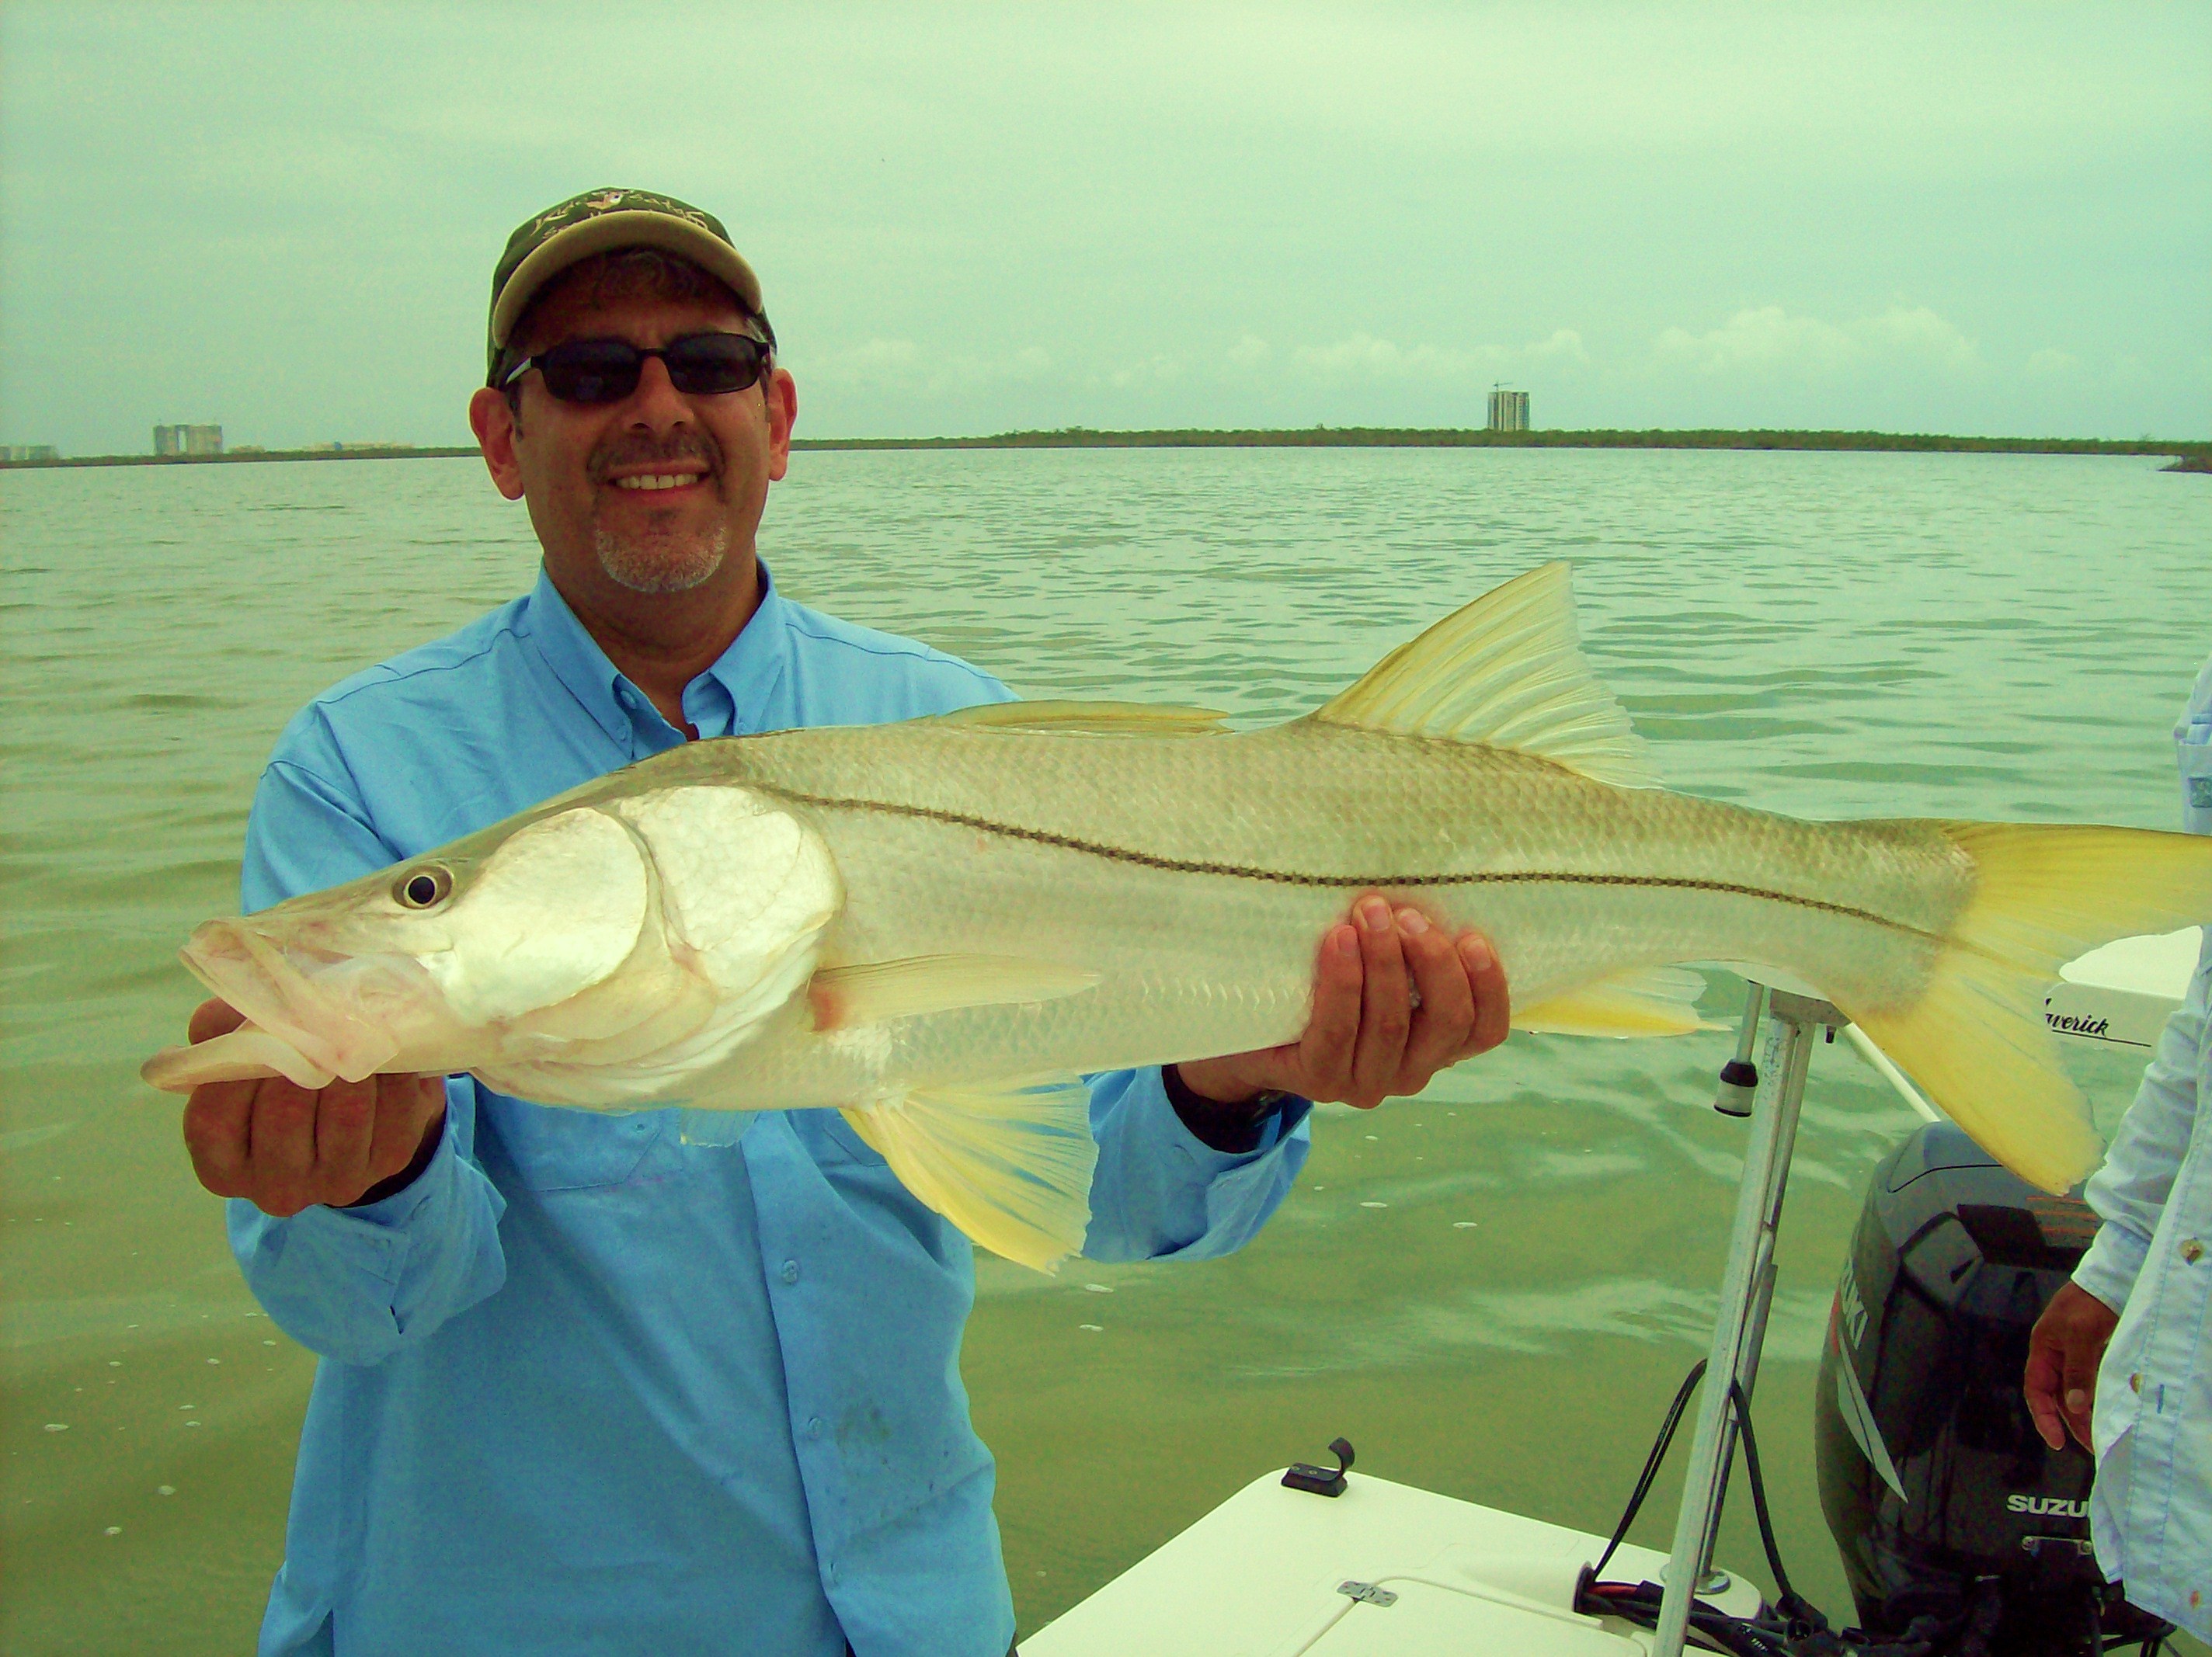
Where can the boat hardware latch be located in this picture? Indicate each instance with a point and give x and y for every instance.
(1367, 1594)
(1305, 1475)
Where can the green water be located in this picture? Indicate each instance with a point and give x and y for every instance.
(1492, 1289)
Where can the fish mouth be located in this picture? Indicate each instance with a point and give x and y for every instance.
(313, 999)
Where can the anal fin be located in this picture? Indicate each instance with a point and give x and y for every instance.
(872, 992)
(1651, 1001)
(1009, 1162)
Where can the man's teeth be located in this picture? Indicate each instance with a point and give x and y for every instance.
(657, 481)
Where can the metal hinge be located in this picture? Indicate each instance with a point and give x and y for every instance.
(1367, 1594)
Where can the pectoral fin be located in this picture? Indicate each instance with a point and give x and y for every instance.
(1655, 1001)
(1009, 1162)
(873, 992)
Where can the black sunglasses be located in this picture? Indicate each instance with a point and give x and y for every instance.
(607, 370)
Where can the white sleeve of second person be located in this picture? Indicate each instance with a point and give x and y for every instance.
(2130, 1191)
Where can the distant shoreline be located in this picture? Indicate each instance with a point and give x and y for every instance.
(2189, 455)
(1401, 437)
(380, 452)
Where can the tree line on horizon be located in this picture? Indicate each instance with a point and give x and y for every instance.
(2191, 454)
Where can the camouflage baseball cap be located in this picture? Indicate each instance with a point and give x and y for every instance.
(595, 222)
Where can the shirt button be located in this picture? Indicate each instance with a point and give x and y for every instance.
(2192, 1251)
(832, 1569)
(814, 1426)
(790, 1270)
(2135, 1382)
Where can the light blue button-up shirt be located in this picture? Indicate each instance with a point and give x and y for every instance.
(2151, 1510)
(587, 1386)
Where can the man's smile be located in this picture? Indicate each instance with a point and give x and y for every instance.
(659, 480)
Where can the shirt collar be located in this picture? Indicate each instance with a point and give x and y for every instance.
(750, 673)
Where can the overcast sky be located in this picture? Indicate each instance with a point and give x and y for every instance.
(1982, 219)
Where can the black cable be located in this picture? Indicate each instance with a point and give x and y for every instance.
(1734, 1635)
(1651, 1464)
(1788, 1603)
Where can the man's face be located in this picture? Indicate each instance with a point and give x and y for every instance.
(660, 493)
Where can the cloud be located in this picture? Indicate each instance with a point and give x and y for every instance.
(2050, 361)
(903, 364)
(874, 360)
(1770, 339)
(1249, 352)
(1366, 357)
(1363, 356)
(1564, 345)
(1919, 332)
(1153, 370)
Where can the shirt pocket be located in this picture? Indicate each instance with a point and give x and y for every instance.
(828, 1138)
(553, 1149)
(2194, 746)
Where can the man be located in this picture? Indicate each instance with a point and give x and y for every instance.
(2133, 1329)
(589, 1386)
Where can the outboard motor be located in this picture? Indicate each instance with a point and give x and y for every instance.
(1959, 1527)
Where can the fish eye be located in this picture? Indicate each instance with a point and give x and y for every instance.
(425, 889)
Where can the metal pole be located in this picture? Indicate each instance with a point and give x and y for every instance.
(1747, 1283)
(1795, 1057)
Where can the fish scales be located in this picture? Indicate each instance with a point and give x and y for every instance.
(1196, 875)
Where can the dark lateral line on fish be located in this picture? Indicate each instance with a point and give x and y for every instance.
(1381, 882)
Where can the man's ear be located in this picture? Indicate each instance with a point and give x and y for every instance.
(491, 417)
(782, 393)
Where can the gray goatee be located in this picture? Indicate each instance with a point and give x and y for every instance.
(657, 564)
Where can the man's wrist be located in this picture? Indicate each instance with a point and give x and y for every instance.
(1233, 1128)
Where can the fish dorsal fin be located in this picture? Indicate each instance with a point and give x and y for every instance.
(1090, 719)
(1650, 1001)
(1505, 671)
(875, 991)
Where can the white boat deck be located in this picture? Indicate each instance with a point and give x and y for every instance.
(1273, 1573)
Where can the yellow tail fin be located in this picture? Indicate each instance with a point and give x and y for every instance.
(1975, 1039)
(1008, 1162)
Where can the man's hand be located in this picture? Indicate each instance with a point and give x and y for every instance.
(2063, 1352)
(1366, 1040)
(284, 1148)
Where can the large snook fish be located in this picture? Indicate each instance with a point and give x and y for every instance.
(936, 926)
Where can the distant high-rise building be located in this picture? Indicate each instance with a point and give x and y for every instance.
(187, 440)
(29, 452)
(1508, 410)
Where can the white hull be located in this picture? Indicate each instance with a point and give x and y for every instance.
(1263, 1576)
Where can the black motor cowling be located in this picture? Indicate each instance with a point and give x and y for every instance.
(1948, 1508)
